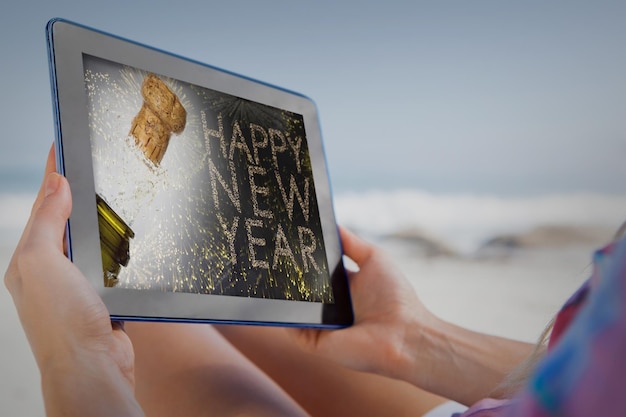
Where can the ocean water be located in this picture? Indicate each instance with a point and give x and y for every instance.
(465, 223)
(461, 222)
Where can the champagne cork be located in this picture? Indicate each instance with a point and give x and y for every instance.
(160, 115)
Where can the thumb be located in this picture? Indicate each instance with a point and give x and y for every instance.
(48, 221)
(43, 235)
(354, 247)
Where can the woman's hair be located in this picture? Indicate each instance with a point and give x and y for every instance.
(620, 232)
(520, 374)
(516, 379)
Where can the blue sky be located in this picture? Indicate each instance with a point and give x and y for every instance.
(490, 97)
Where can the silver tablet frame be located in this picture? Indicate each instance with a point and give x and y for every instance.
(67, 42)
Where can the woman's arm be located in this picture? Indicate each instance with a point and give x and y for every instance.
(455, 362)
(86, 364)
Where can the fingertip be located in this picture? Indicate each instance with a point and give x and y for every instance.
(50, 168)
(354, 247)
(52, 183)
(344, 233)
(56, 183)
(51, 161)
(348, 237)
(56, 192)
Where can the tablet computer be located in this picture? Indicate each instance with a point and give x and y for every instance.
(198, 194)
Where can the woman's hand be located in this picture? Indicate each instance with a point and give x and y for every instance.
(86, 363)
(387, 311)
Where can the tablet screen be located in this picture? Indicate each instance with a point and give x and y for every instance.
(213, 193)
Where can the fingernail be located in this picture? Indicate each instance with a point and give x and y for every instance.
(52, 184)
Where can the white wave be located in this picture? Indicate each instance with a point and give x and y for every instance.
(462, 221)
(466, 221)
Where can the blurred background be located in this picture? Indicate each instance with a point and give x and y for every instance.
(481, 143)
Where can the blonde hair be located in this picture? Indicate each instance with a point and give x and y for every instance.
(517, 378)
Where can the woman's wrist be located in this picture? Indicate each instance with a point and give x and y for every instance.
(416, 353)
(436, 360)
(455, 362)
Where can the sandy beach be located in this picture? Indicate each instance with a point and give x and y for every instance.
(509, 296)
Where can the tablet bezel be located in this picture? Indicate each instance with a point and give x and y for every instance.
(67, 42)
